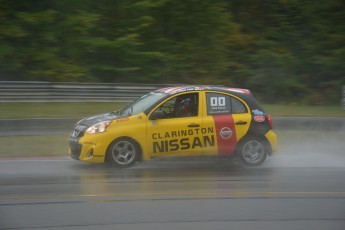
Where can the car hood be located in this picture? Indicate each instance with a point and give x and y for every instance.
(92, 120)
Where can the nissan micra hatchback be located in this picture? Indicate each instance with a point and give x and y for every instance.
(178, 121)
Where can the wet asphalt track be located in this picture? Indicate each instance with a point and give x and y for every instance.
(200, 193)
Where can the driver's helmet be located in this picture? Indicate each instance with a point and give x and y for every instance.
(183, 106)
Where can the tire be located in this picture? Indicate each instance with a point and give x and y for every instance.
(252, 151)
(123, 152)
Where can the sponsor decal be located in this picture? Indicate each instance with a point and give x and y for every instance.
(180, 89)
(183, 140)
(225, 133)
(174, 90)
(257, 112)
(182, 144)
(259, 118)
(245, 91)
(224, 124)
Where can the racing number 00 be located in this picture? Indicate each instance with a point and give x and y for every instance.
(217, 101)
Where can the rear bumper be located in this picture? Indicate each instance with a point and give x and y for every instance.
(272, 139)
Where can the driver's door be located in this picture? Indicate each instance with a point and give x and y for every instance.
(177, 132)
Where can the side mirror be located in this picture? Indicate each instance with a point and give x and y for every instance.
(158, 114)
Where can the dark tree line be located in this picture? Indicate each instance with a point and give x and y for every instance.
(283, 50)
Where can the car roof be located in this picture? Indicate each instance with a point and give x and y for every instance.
(187, 88)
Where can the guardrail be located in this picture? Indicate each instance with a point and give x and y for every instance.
(22, 91)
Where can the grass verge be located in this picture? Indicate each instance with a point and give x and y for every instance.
(31, 146)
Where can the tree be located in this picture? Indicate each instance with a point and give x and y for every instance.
(283, 50)
(39, 41)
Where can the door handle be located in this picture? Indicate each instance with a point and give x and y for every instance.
(193, 125)
(241, 123)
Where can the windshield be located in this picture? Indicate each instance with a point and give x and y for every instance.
(141, 104)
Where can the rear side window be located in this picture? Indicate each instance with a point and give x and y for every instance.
(237, 106)
(223, 104)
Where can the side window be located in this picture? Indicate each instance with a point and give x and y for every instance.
(237, 106)
(185, 105)
(223, 104)
(218, 103)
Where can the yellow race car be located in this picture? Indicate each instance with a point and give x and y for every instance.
(178, 121)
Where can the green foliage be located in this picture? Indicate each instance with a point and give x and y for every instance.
(283, 50)
(293, 50)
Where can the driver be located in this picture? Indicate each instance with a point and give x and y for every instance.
(183, 106)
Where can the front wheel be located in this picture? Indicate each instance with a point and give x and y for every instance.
(123, 152)
(252, 151)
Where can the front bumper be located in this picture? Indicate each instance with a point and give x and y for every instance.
(89, 148)
(74, 148)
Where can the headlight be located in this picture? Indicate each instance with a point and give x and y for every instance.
(99, 127)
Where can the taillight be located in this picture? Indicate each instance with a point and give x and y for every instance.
(269, 119)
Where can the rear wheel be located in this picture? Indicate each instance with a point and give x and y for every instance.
(123, 152)
(252, 151)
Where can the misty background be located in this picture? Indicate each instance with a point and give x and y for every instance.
(285, 51)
